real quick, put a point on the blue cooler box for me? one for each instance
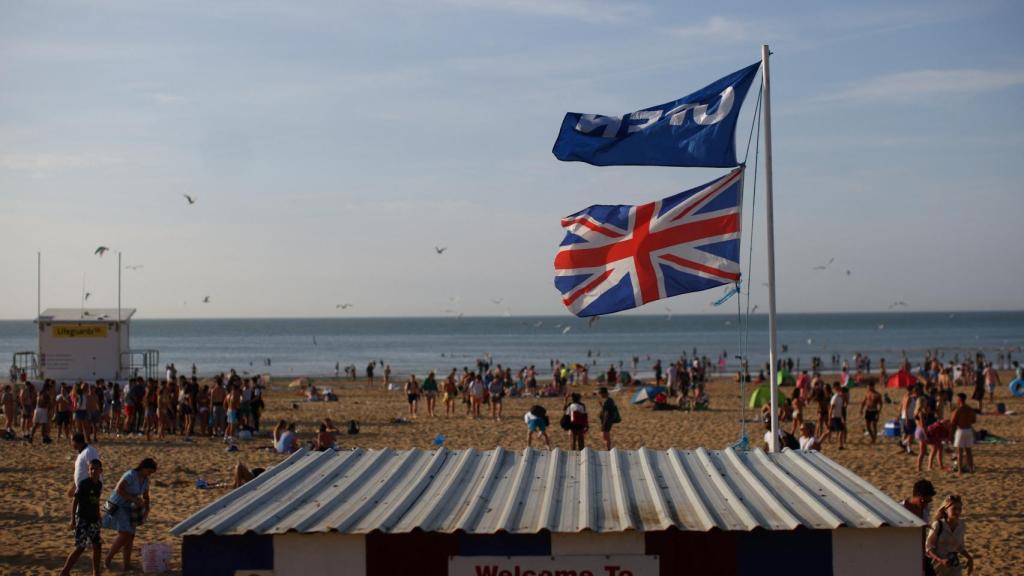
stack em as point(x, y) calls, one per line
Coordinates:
point(892, 429)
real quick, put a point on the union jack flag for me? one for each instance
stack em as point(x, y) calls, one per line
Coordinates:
point(619, 257)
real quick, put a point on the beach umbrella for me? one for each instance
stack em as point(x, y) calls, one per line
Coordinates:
point(901, 379)
point(646, 393)
point(785, 378)
point(763, 395)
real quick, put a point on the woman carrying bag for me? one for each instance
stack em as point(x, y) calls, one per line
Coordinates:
point(945, 543)
point(127, 508)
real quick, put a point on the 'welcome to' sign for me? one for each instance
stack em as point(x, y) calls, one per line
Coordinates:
point(615, 565)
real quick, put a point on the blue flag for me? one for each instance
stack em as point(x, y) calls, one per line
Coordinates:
point(696, 130)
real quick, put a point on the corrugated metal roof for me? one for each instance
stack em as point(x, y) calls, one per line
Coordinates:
point(85, 314)
point(484, 492)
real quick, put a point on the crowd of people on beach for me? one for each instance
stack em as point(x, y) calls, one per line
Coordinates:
point(176, 405)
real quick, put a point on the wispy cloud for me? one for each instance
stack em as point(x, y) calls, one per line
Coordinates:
point(918, 83)
point(46, 163)
point(584, 10)
point(716, 28)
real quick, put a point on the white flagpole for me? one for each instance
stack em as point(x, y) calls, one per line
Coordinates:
point(772, 337)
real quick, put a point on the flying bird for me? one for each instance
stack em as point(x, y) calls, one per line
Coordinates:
point(847, 272)
point(566, 329)
point(497, 301)
point(897, 304)
point(133, 267)
point(538, 323)
point(206, 299)
point(190, 199)
point(825, 265)
point(754, 309)
point(440, 249)
point(87, 294)
point(101, 250)
point(344, 306)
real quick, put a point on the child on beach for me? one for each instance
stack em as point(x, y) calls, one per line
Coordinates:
point(85, 519)
point(578, 427)
point(537, 423)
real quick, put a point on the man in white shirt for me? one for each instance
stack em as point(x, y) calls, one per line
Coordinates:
point(86, 454)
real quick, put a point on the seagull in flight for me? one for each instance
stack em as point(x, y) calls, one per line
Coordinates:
point(101, 250)
point(133, 267)
point(344, 306)
point(497, 301)
point(754, 309)
point(825, 265)
point(190, 199)
point(566, 329)
point(206, 299)
point(87, 294)
point(440, 249)
point(897, 304)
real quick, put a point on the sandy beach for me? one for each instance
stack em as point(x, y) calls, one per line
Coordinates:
point(34, 512)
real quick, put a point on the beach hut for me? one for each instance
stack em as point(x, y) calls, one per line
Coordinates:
point(89, 344)
point(504, 513)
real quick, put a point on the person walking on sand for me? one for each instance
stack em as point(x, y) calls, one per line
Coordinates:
point(609, 416)
point(429, 389)
point(451, 392)
point(85, 519)
point(475, 390)
point(578, 425)
point(8, 402)
point(962, 421)
point(991, 382)
point(127, 508)
point(920, 499)
point(412, 394)
point(41, 415)
point(86, 453)
point(907, 423)
point(495, 393)
point(871, 408)
point(537, 423)
point(945, 543)
point(836, 419)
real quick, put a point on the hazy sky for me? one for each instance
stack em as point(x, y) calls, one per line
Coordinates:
point(332, 145)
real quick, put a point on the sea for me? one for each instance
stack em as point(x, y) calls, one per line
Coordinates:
point(314, 347)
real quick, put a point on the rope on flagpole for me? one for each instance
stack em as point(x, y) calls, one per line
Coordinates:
point(743, 321)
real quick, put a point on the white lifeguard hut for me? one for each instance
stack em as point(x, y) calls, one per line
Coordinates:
point(89, 344)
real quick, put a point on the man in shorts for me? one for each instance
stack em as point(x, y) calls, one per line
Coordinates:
point(537, 423)
point(962, 421)
point(85, 519)
point(836, 417)
point(870, 408)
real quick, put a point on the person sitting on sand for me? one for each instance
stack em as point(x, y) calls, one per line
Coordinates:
point(324, 439)
point(287, 442)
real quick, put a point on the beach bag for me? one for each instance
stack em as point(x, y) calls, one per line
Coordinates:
point(155, 557)
point(565, 422)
